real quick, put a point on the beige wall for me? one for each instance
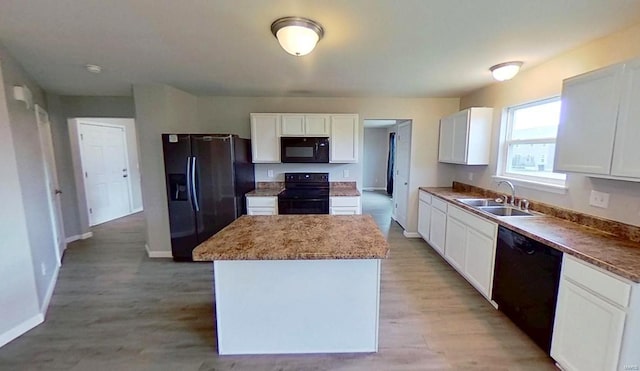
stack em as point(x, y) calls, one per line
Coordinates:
point(544, 81)
point(162, 109)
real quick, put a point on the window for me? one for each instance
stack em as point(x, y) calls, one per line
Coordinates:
point(530, 142)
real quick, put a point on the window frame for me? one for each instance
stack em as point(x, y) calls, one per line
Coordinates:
point(553, 184)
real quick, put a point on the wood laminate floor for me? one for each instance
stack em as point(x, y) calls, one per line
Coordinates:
point(115, 309)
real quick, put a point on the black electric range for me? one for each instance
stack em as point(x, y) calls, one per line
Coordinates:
point(305, 193)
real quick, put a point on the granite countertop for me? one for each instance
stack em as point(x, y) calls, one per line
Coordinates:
point(264, 192)
point(296, 237)
point(337, 189)
point(602, 249)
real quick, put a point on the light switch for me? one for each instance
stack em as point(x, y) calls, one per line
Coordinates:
point(270, 173)
point(345, 173)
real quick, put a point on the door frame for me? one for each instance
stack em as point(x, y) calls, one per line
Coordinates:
point(53, 195)
point(83, 121)
point(400, 124)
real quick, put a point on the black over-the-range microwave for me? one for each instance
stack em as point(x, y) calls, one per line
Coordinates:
point(304, 149)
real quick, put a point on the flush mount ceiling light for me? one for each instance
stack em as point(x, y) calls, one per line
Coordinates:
point(297, 36)
point(505, 71)
point(93, 68)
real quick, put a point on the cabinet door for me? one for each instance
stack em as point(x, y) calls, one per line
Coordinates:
point(587, 331)
point(261, 211)
point(437, 230)
point(445, 144)
point(455, 244)
point(479, 261)
point(626, 153)
point(424, 219)
point(317, 125)
point(460, 137)
point(343, 211)
point(344, 138)
point(293, 125)
point(265, 137)
point(588, 121)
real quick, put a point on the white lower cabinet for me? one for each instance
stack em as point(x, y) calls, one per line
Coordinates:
point(596, 326)
point(438, 225)
point(262, 205)
point(424, 214)
point(340, 205)
point(471, 247)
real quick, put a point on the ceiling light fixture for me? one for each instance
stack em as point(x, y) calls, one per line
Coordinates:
point(297, 36)
point(93, 68)
point(505, 71)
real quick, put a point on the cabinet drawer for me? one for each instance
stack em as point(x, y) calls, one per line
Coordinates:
point(344, 201)
point(439, 204)
point(596, 281)
point(480, 224)
point(424, 196)
point(262, 201)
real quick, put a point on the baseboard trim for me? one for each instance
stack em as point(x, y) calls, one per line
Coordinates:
point(157, 254)
point(374, 188)
point(411, 234)
point(49, 294)
point(77, 237)
point(20, 329)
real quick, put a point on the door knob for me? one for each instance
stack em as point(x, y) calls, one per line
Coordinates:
point(58, 191)
point(124, 176)
point(405, 183)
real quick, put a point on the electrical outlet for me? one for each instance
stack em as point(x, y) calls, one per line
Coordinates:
point(43, 269)
point(270, 173)
point(345, 173)
point(599, 199)
point(470, 176)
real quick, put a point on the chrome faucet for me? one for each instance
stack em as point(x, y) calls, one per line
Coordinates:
point(513, 192)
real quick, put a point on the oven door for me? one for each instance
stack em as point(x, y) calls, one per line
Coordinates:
point(304, 150)
point(303, 206)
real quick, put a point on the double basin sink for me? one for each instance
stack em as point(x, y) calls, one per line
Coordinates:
point(494, 207)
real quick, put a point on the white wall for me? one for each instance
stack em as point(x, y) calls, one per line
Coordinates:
point(165, 109)
point(28, 262)
point(376, 153)
point(544, 81)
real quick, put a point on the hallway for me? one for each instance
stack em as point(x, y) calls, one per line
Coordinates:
point(116, 309)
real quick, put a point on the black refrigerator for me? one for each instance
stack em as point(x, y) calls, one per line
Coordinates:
point(207, 176)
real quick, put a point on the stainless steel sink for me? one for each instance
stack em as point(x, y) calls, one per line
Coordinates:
point(480, 202)
point(504, 211)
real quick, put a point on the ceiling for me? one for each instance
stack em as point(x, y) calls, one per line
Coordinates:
point(402, 48)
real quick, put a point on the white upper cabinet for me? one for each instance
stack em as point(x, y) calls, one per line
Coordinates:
point(305, 125)
point(265, 137)
point(588, 121)
point(626, 152)
point(599, 131)
point(344, 138)
point(465, 137)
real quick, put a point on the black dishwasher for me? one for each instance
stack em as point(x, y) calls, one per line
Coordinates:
point(525, 284)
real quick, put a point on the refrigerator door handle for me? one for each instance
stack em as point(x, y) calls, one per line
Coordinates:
point(189, 196)
point(194, 187)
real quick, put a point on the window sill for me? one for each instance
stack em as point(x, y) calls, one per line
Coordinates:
point(539, 186)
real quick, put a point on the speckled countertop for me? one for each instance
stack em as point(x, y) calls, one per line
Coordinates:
point(605, 250)
point(296, 237)
point(264, 192)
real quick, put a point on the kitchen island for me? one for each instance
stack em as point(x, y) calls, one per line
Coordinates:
point(296, 283)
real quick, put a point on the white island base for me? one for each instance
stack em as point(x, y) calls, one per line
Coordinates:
point(297, 306)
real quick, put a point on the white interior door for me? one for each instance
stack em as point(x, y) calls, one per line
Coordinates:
point(51, 174)
point(104, 160)
point(401, 180)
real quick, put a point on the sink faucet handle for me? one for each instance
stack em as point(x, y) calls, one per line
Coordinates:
point(523, 204)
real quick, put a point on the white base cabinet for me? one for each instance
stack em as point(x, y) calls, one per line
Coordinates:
point(438, 225)
point(596, 324)
point(424, 214)
point(471, 247)
point(340, 205)
point(262, 205)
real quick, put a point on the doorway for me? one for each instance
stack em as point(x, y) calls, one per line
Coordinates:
point(107, 168)
point(402, 173)
point(51, 178)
